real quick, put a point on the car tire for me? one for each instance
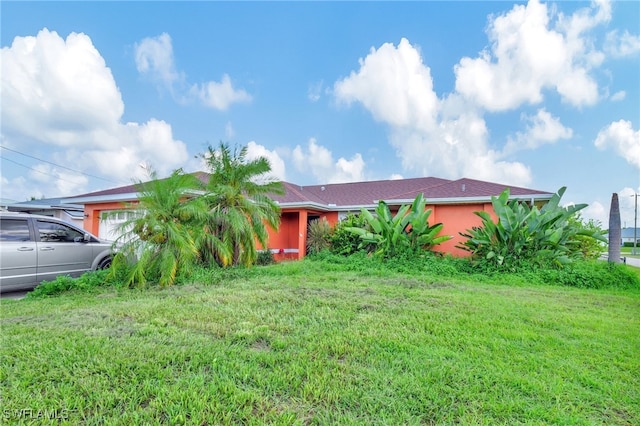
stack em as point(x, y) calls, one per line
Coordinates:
point(105, 263)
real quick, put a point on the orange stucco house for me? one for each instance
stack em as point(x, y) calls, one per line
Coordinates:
point(452, 201)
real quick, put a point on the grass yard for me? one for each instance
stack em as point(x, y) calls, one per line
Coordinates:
point(300, 343)
point(628, 251)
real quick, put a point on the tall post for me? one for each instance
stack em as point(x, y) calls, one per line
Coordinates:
point(614, 230)
point(635, 225)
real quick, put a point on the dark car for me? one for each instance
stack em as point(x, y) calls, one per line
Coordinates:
point(37, 248)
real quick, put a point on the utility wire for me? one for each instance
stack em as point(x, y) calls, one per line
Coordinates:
point(40, 171)
point(53, 164)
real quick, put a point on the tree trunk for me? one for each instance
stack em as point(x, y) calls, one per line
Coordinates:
point(614, 230)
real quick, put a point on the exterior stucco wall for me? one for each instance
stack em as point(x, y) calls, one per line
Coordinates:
point(457, 218)
point(289, 242)
point(285, 243)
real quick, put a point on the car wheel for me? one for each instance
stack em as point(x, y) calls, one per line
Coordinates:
point(105, 263)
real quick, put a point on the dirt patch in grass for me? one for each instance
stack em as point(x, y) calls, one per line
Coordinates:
point(261, 345)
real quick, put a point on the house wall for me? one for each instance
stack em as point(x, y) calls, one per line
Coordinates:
point(289, 243)
point(285, 244)
point(455, 219)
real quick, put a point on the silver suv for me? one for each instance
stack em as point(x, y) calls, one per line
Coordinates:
point(37, 248)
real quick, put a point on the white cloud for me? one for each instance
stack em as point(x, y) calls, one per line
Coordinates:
point(622, 45)
point(626, 199)
point(219, 95)
point(596, 211)
point(65, 181)
point(315, 91)
point(55, 89)
point(229, 132)
point(618, 96)
point(542, 128)
point(154, 57)
point(623, 139)
point(318, 160)
point(457, 148)
point(527, 56)
point(394, 85)
point(396, 176)
point(278, 169)
point(43, 181)
point(21, 189)
point(59, 95)
point(600, 210)
point(445, 138)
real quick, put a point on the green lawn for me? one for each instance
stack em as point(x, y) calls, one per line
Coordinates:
point(627, 251)
point(298, 345)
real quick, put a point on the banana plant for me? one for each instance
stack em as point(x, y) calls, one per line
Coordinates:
point(421, 235)
point(407, 230)
point(526, 234)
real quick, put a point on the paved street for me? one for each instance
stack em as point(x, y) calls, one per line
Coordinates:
point(633, 261)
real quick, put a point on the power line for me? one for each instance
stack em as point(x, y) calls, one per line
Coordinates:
point(40, 171)
point(53, 164)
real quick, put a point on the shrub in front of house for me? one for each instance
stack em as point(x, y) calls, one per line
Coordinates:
point(318, 236)
point(406, 231)
point(525, 235)
point(344, 242)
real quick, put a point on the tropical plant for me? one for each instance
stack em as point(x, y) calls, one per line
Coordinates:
point(591, 248)
point(318, 236)
point(345, 242)
point(157, 243)
point(526, 234)
point(239, 206)
point(406, 231)
point(615, 231)
point(265, 257)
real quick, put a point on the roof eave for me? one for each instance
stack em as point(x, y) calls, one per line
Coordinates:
point(98, 199)
point(114, 198)
point(470, 200)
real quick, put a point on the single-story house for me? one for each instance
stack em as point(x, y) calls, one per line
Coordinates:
point(627, 234)
point(453, 203)
point(53, 207)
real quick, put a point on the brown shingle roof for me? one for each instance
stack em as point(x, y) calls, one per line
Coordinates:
point(370, 192)
point(367, 193)
point(359, 193)
point(132, 189)
point(471, 188)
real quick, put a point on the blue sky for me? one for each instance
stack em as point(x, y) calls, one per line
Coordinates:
point(541, 95)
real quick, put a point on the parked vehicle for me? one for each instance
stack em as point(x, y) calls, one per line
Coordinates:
point(36, 248)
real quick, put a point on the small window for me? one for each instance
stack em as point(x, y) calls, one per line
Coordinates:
point(57, 232)
point(14, 230)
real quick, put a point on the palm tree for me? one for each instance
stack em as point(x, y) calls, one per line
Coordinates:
point(614, 230)
point(237, 196)
point(157, 242)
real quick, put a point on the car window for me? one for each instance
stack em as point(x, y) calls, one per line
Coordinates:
point(14, 230)
point(57, 232)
